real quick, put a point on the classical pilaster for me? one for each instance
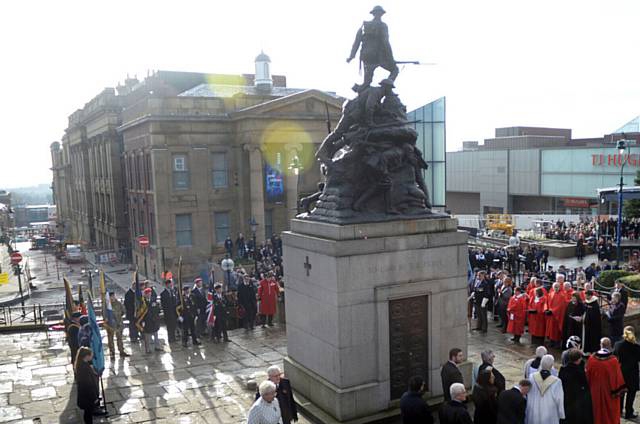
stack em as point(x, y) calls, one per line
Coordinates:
point(256, 184)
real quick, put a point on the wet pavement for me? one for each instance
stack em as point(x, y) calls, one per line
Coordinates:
point(206, 384)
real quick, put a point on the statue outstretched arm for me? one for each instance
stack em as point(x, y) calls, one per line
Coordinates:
point(356, 45)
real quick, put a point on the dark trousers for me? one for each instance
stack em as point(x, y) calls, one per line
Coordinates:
point(133, 330)
point(201, 324)
point(249, 321)
point(502, 313)
point(220, 329)
point(188, 329)
point(626, 400)
point(483, 324)
point(88, 416)
point(171, 328)
point(267, 319)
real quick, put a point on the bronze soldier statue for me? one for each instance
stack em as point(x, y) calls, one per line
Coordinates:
point(373, 40)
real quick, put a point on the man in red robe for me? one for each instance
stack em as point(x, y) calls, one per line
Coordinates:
point(534, 284)
point(268, 291)
point(606, 384)
point(537, 320)
point(556, 306)
point(568, 292)
point(516, 314)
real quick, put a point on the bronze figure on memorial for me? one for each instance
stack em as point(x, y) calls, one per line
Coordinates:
point(373, 170)
point(372, 39)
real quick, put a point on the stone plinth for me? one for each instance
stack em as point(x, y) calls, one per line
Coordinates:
point(340, 281)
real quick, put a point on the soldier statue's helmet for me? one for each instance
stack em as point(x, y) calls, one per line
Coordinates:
point(387, 82)
point(377, 10)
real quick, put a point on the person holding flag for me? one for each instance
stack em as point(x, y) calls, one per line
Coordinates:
point(131, 300)
point(219, 305)
point(187, 317)
point(148, 321)
point(96, 348)
point(112, 312)
point(71, 321)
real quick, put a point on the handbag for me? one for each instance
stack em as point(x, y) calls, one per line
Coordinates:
point(241, 312)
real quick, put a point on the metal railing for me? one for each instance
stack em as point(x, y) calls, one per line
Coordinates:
point(37, 314)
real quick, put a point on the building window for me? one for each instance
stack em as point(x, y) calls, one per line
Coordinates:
point(268, 222)
point(180, 172)
point(223, 228)
point(220, 173)
point(183, 230)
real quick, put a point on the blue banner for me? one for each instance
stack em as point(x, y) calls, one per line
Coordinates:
point(96, 338)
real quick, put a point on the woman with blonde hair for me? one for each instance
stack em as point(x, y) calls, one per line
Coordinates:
point(628, 353)
point(87, 380)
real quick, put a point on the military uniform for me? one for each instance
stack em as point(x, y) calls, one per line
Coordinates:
point(118, 312)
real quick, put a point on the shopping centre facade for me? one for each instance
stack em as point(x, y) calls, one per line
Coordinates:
point(526, 170)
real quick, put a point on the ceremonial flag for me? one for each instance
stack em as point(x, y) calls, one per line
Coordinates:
point(68, 299)
point(108, 318)
point(96, 339)
point(141, 306)
point(180, 307)
point(211, 279)
point(211, 318)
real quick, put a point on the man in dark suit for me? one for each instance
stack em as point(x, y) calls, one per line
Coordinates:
point(413, 408)
point(284, 394)
point(130, 312)
point(169, 301)
point(615, 317)
point(450, 373)
point(199, 296)
point(455, 411)
point(481, 298)
point(624, 293)
point(512, 404)
point(487, 361)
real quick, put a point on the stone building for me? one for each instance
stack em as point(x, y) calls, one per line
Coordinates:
point(188, 159)
point(206, 153)
point(87, 176)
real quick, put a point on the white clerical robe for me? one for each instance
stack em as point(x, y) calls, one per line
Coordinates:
point(545, 401)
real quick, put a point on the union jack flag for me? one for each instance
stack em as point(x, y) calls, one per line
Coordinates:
point(211, 318)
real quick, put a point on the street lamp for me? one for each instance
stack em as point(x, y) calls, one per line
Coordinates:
point(623, 147)
point(296, 167)
point(254, 227)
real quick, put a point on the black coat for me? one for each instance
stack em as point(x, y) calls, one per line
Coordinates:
point(577, 397)
point(247, 298)
point(629, 355)
point(288, 406)
point(414, 409)
point(169, 301)
point(500, 381)
point(512, 407)
point(616, 319)
point(571, 327)
point(454, 412)
point(151, 319)
point(130, 304)
point(220, 308)
point(450, 374)
point(592, 327)
point(87, 381)
point(486, 403)
point(199, 297)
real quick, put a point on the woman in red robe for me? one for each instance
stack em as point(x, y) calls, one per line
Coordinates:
point(556, 306)
point(606, 384)
point(268, 291)
point(517, 313)
point(537, 321)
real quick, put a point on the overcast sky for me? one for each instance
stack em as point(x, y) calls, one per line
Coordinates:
point(570, 64)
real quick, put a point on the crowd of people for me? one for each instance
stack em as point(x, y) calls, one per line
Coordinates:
point(190, 312)
point(587, 389)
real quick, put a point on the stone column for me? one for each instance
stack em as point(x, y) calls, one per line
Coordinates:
point(257, 188)
point(291, 182)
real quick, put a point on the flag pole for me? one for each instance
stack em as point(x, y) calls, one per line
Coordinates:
point(104, 398)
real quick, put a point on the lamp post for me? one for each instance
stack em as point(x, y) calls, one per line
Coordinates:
point(254, 227)
point(623, 147)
